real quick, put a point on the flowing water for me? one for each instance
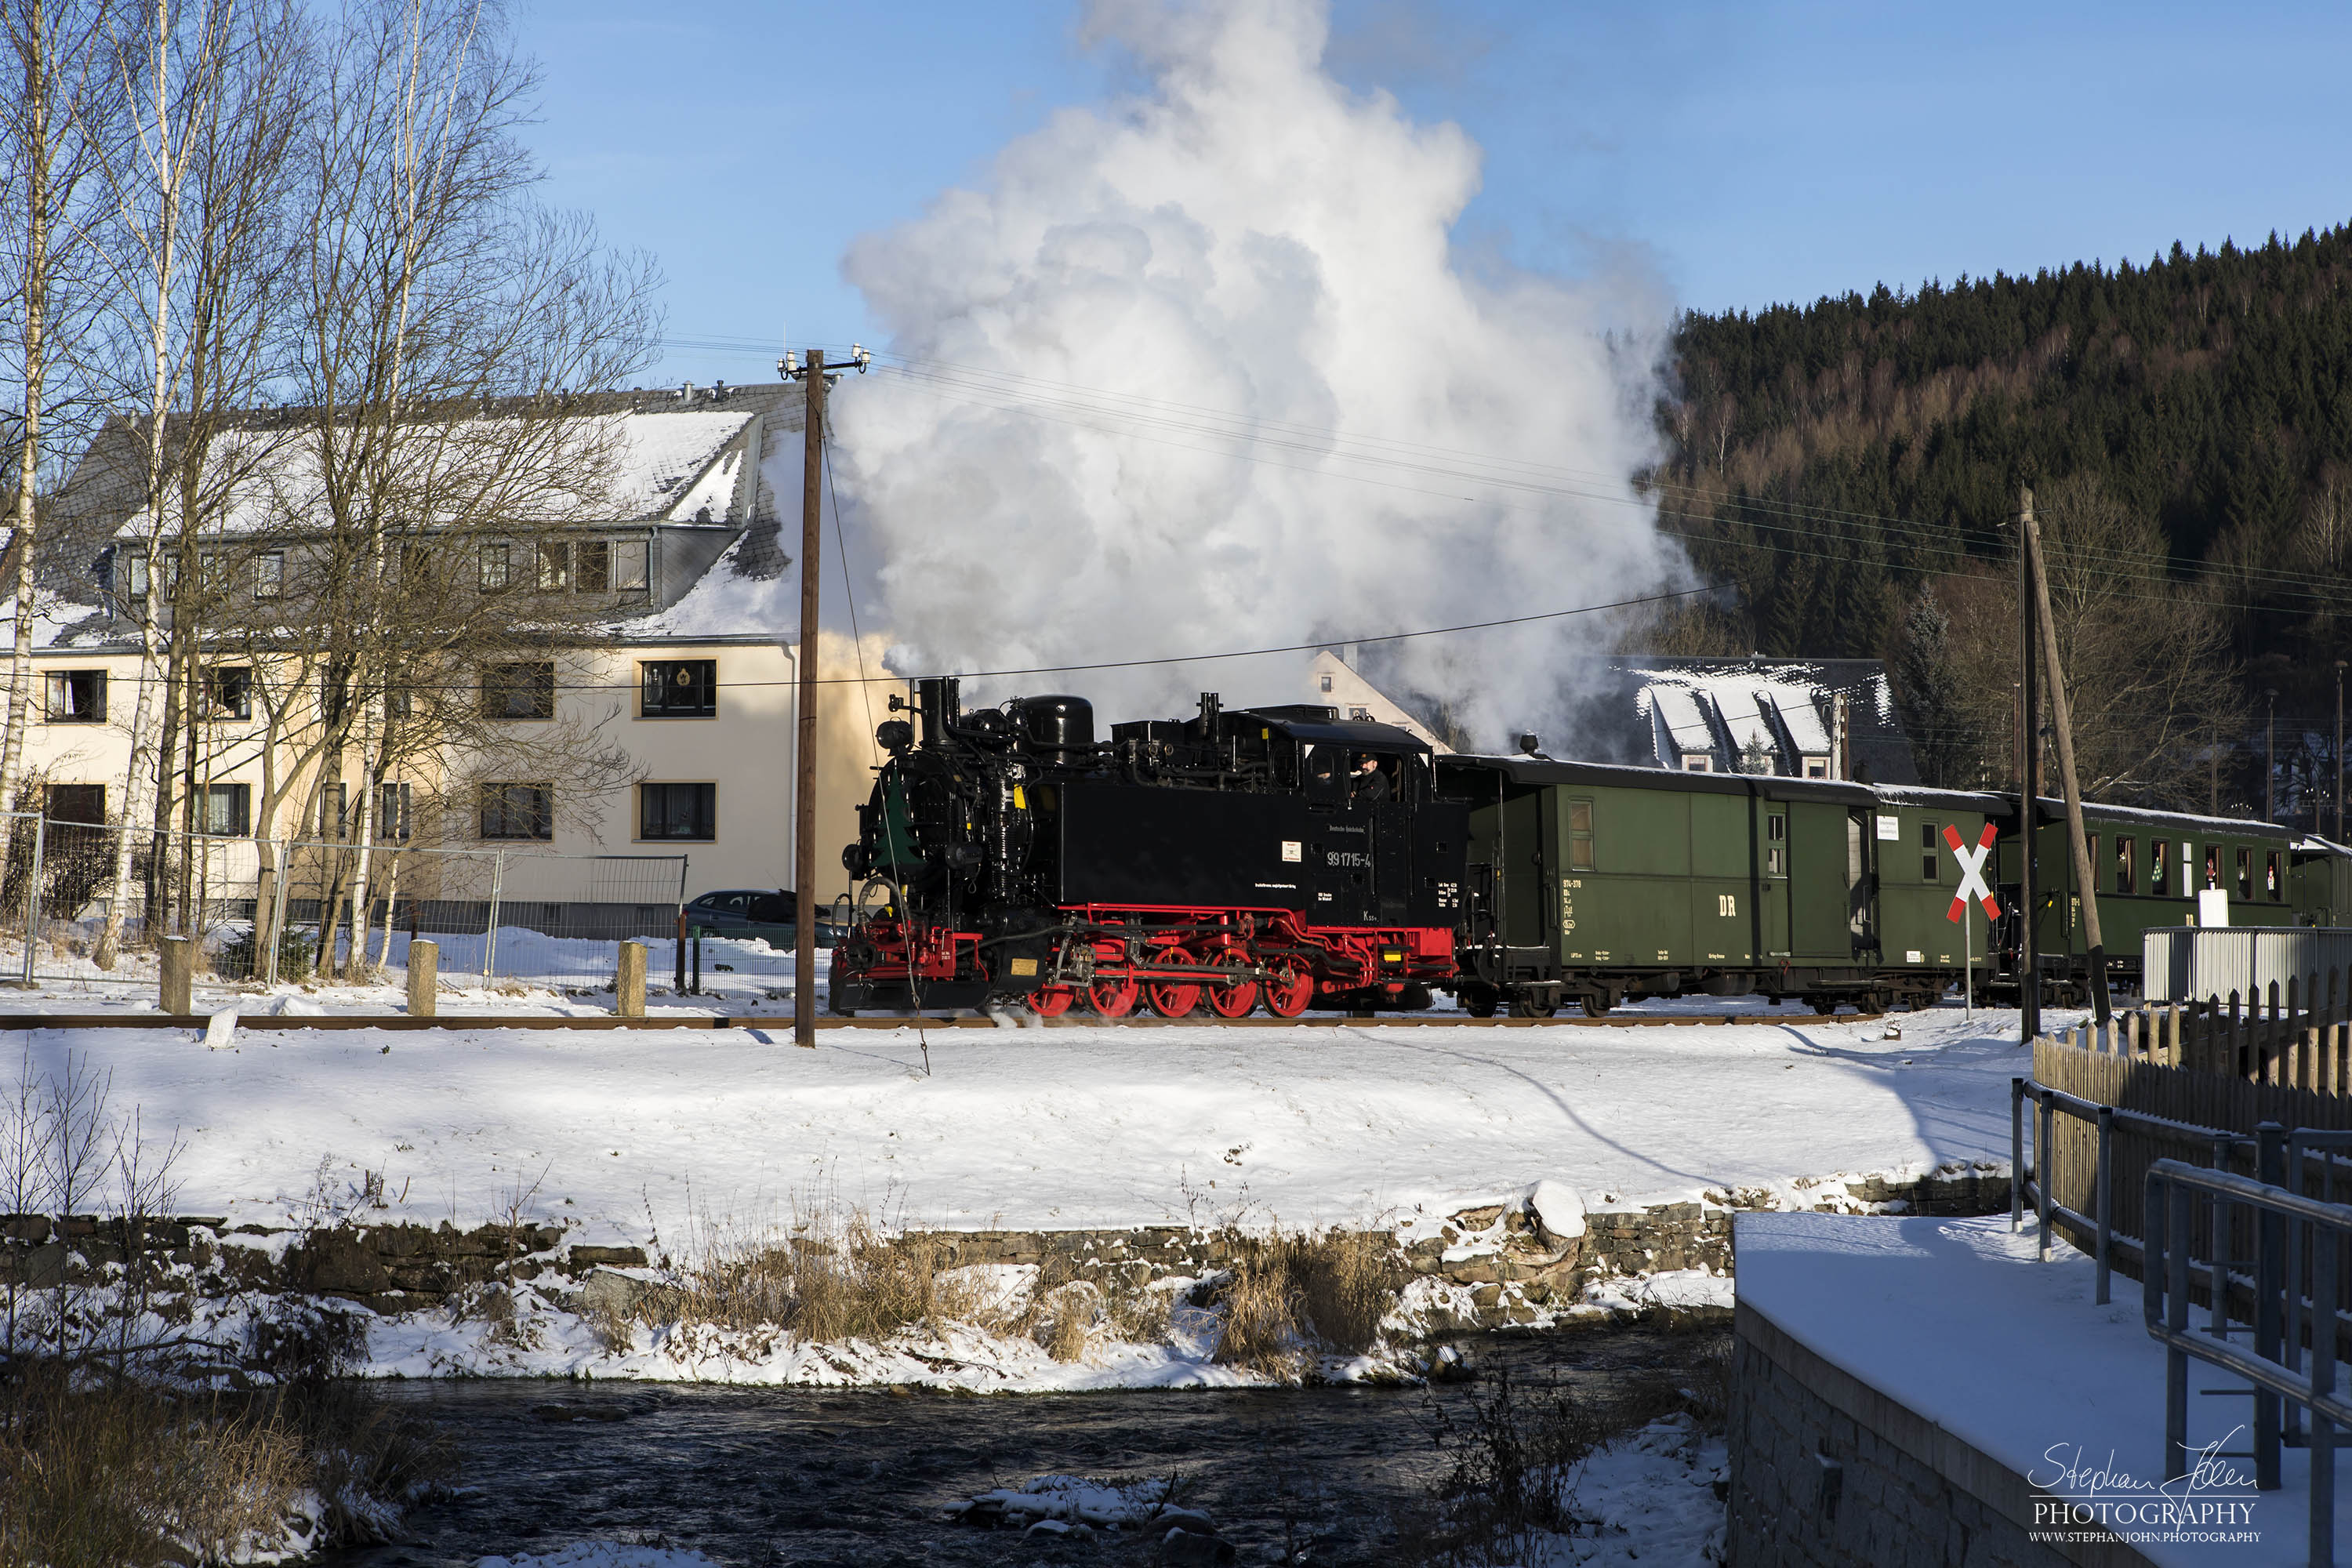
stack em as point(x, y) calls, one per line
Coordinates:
point(816, 1477)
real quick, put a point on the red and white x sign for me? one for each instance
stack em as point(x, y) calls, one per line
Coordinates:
point(1972, 881)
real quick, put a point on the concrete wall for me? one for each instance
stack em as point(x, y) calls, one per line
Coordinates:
point(1827, 1472)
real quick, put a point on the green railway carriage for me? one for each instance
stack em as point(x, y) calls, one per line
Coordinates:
point(1589, 883)
point(2146, 869)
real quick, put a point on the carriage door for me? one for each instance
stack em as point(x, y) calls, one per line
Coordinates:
point(1862, 880)
point(1772, 869)
point(1393, 860)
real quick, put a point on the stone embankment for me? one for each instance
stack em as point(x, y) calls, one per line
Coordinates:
point(1514, 1261)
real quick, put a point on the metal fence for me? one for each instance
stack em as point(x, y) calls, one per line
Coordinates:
point(2190, 964)
point(272, 911)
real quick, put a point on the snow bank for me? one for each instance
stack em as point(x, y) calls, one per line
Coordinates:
point(613, 1132)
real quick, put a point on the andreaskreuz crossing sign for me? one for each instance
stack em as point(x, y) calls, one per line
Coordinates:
point(1972, 880)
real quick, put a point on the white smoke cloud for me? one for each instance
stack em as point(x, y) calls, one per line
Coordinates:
point(1201, 369)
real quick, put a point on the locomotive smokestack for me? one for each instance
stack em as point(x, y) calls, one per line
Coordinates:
point(938, 701)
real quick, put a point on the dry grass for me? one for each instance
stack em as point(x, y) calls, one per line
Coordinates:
point(859, 1285)
point(1288, 1295)
point(110, 1476)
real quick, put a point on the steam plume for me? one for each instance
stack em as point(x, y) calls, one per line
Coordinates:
point(1201, 369)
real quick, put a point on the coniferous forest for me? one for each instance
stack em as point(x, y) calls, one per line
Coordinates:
point(1849, 471)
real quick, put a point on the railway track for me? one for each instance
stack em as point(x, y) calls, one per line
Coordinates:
point(784, 1022)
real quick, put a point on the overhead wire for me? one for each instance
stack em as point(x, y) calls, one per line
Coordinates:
point(1010, 390)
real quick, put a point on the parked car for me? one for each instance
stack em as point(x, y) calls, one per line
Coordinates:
point(765, 913)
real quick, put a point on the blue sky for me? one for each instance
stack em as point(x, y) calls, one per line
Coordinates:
point(1739, 155)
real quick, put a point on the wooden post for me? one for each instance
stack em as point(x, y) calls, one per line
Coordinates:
point(804, 749)
point(178, 971)
point(423, 977)
point(2086, 881)
point(629, 985)
point(2172, 1034)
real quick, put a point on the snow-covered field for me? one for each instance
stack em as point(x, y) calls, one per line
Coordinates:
point(614, 1133)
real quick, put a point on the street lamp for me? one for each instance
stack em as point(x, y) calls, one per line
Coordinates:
point(2270, 756)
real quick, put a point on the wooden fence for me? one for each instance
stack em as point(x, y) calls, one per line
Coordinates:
point(2298, 1037)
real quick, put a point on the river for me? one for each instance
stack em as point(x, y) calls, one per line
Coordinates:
point(810, 1476)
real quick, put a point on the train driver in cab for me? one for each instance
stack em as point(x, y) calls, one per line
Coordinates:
point(1370, 783)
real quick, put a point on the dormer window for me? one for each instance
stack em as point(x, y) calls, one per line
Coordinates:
point(629, 562)
point(554, 565)
point(269, 574)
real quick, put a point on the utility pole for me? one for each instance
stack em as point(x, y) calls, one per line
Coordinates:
point(2029, 784)
point(2270, 753)
point(804, 745)
point(2339, 750)
point(814, 377)
point(2061, 715)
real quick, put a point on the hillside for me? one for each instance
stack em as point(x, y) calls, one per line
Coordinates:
point(1847, 467)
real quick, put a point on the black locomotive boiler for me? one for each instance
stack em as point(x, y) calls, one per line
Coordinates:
point(1272, 858)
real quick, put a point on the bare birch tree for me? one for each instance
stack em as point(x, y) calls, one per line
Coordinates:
point(50, 129)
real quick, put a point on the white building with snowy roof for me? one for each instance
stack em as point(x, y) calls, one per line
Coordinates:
point(1822, 719)
point(671, 564)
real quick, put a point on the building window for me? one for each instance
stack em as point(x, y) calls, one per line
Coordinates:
point(74, 802)
point(1930, 866)
point(596, 573)
point(134, 574)
point(493, 559)
point(629, 558)
point(1776, 846)
point(2126, 871)
point(392, 823)
point(554, 565)
point(1327, 683)
point(1817, 767)
point(677, 811)
point(228, 810)
point(334, 797)
point(269, 574)
point(76, 696)
point(214, 573)
point(518, 811)
point(679, 688)
point(1579, 835)
point(519, 692)
point(228, 692)
point(1699, 763)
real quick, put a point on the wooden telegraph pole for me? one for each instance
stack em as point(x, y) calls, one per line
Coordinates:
point(813, 375)
point(805, 744)
point(2029, 792)
point(2061, 715)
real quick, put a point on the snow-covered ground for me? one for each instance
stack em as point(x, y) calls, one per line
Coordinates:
point(1954, 1319)
point(614, 1133)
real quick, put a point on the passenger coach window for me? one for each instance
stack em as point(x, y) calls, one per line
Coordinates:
point(2124, 882)
point(1928, 865)
point(2160, 865)
point(2212, 864)
point(1776, 846)
point(2271, 888)
point(2245, 873)
point(1579, 835)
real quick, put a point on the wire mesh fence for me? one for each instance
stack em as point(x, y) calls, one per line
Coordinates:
point(268, 911)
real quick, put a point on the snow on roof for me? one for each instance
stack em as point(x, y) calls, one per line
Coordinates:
point(1743, 720)
point(726, 601)
point(1685, 725)
point(662, 470)
point(1795, 705)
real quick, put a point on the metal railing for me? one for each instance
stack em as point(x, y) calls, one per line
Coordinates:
point(2279, 1311)
point(2111, 1120)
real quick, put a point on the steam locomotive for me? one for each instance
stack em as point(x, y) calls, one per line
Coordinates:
point(1275, 856)
point(1284, 858)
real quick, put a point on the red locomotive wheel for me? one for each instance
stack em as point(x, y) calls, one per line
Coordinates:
point(1172, 998)
point(1112, 996)
point(1051, 1001)
point(1292, 987)
point(1232, 1001)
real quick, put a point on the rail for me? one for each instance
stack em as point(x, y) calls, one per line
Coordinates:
point(2278, 1316)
